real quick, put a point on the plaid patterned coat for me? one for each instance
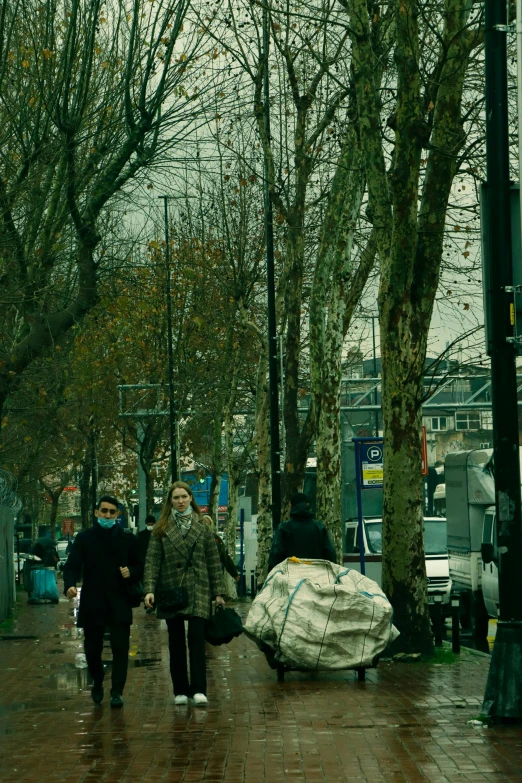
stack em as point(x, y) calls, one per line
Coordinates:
point(166, 559)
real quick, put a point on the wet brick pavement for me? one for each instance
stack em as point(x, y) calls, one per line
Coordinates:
point(407, 722)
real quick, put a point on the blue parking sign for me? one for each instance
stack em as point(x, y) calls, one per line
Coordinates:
point(369, 458)
point(371, 464)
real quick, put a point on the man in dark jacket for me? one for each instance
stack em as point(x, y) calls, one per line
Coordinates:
point(145, 534)
point(110, 559)
point(301, 536)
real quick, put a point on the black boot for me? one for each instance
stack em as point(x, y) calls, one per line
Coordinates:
point(97, 693)
point(116, 700)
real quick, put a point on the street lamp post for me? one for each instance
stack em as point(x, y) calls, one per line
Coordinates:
point(503, 696)
point(172, 410)
point(275, 462)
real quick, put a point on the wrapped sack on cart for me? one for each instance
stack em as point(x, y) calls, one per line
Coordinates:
point(314, 614)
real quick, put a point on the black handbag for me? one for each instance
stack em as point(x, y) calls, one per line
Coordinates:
point(223, 626)
point(176, 598)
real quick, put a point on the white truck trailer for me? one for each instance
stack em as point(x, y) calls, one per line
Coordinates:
point(470, 514)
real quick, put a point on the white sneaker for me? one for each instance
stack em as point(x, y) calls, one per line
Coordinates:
point(180, 700)
point(200, 700)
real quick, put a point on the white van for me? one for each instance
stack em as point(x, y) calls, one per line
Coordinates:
point(435, 549)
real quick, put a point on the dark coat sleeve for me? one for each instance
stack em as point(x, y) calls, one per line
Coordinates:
point(133, 556)
point(72, 570)
point(329, 552)
point(215, 573)
point(152, 564)
point(226, 561)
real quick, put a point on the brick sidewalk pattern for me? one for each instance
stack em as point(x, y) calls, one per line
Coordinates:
point(407, 722)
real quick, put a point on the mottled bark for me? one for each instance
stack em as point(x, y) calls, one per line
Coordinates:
point(410, 247)
point(332, 278)
point(345, 296)
point(55, 495)
point(293, 209)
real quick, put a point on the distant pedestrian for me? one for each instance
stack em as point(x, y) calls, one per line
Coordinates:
point(110, 560)
point(145, 534)
point(227, 563)
point(182, 552)
point(301, 536)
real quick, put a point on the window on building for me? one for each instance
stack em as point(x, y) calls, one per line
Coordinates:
point(467, 420)
point(439, 423)
point(486, 420)
point(485, 445)
point(462, 385)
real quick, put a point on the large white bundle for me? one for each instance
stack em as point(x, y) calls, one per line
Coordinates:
point(317, 615)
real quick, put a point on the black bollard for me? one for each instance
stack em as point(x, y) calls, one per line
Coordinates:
point(455, 623)
point(437, 620)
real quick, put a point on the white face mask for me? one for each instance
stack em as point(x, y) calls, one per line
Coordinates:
point(149, 527)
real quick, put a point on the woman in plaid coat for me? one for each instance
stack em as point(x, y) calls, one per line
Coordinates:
point(182, 547)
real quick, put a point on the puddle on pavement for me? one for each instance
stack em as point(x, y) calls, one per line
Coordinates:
point(73, 676)
point(5, 710)
point(139, 662)
point(16, 638)
point(69, 680)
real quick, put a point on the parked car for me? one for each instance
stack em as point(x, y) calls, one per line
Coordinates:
point(435, 550)
point(62, 547)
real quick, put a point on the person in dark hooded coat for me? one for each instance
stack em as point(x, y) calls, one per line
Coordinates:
point(301, 536)
point(45, 549)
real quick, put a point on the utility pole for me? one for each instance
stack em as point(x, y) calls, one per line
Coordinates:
point(275, 453)
point(172, 410)
point(503, 696)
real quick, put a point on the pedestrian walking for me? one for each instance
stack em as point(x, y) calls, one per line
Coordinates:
point(110, 561)
point(144, 535)
point(301, 536)
point(182, 558)
point(227, 563)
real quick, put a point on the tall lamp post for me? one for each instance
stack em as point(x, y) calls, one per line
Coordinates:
point(275, 452)
point(503, 696)
point(172, 410)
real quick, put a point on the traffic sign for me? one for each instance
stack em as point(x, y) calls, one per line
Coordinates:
point(67, 526)
point(371, 464)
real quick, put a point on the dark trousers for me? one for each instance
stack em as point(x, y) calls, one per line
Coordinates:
point(178, 656)
point(93, 646)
